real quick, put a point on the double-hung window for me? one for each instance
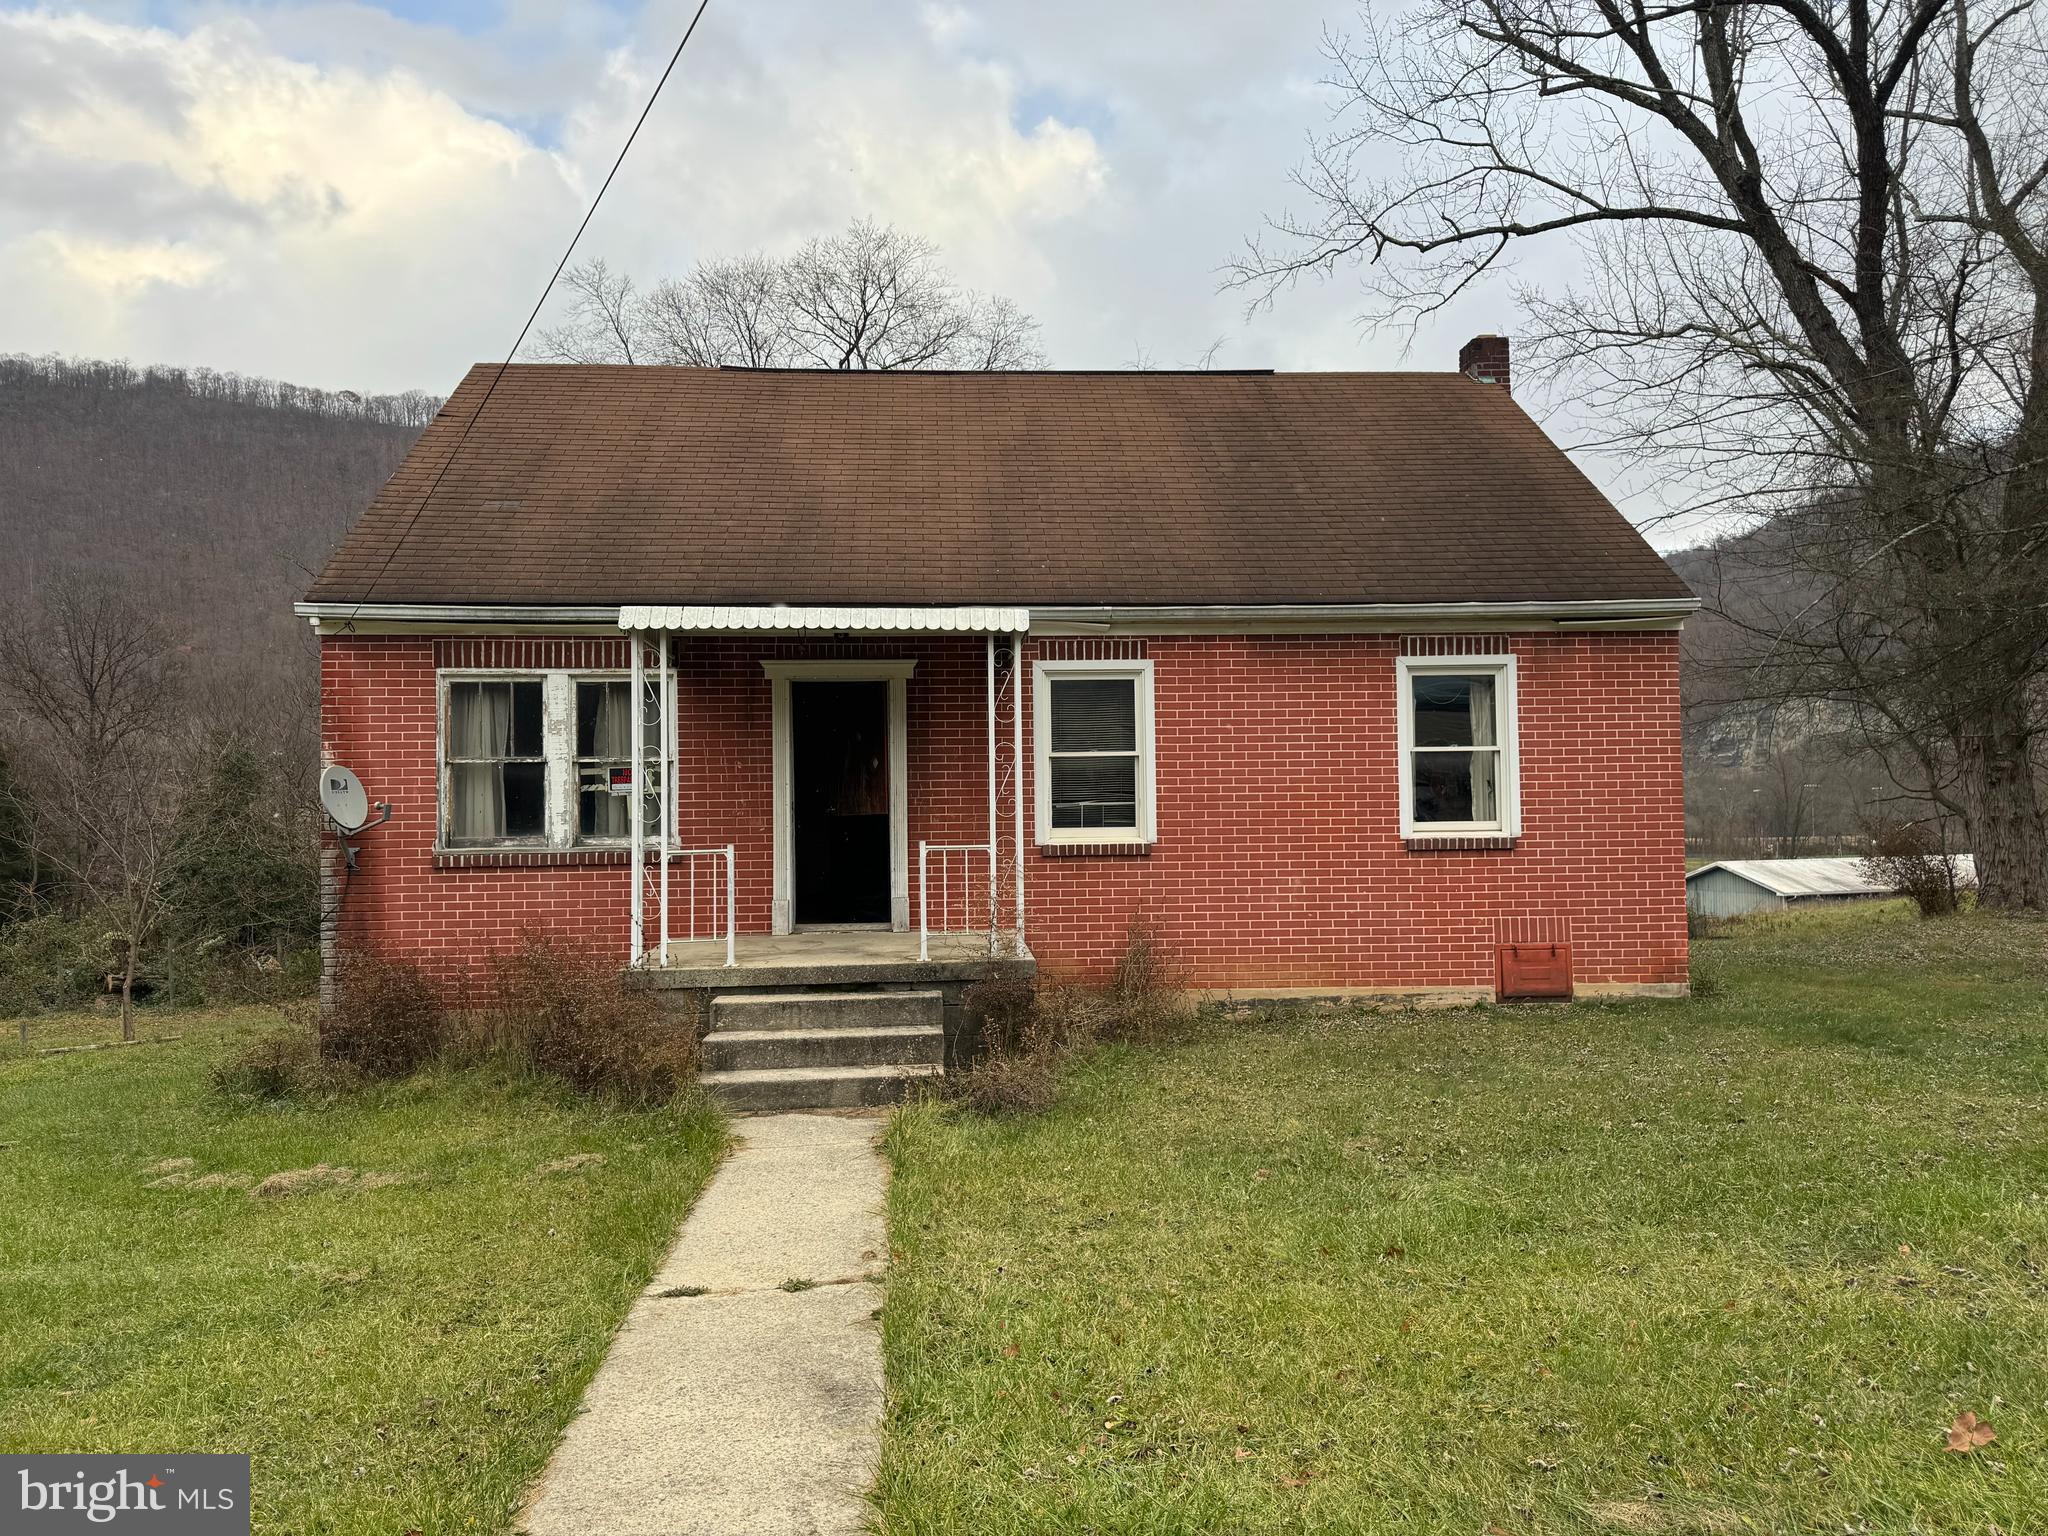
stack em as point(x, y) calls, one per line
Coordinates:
point(1093, 727)
point(497, 762)
point(543, 760)
point(1458, 761)
point(604, 759)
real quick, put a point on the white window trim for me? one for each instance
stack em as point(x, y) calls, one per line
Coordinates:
point(1042, 675)
point(558, 751)
point(1502, 668)
point(782, 775)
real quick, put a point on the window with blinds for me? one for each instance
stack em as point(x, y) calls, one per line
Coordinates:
point(1094, 731)
point(1457, 746)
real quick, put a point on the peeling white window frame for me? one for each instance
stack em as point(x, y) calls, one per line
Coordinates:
point(1043, 675)
point(1501, 668)
point(558, 751)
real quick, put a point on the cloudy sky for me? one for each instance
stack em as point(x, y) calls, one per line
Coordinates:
point(369, 196)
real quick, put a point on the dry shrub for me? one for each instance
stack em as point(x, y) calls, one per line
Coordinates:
point(387, 1019)
point(1907, 859)
point(283, 1063)
point(1016, 1070)
point(565, 1011)
point(1027, 1030)
point(1006, 1085)
point(1143, 1003)
point(1012, 1020)
point(1146, 1002)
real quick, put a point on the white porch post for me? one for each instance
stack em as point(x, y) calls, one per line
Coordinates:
point(1020, 676)
point(665, 713)
point(992, 866)
point(636, 837)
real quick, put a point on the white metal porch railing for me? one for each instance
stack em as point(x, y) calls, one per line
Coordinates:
point(654, 773)
point(716, 898)
point(968, 906)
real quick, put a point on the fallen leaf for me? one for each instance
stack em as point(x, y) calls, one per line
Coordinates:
point(1967, 1433)
point(1243, 1454)
point(1009, 1351)
point(1394, 1251)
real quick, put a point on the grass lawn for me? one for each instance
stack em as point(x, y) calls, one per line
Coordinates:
point(398, 1353)
point(1732, 1264)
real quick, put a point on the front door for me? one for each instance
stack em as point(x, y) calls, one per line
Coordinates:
point(839, 788)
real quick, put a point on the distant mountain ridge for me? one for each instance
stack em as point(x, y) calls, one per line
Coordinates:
point(217, 495)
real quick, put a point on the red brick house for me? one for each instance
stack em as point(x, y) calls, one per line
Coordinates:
point(1348, 683)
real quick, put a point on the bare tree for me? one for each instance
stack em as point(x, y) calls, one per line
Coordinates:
point(1815, 281)
point(92, 689)
point(723, 312)
point(603, 317)
point(869, 298)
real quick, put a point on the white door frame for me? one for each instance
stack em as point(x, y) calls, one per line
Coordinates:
point(897, 675)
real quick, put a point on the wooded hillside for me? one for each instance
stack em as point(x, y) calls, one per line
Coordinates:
point(214, 495)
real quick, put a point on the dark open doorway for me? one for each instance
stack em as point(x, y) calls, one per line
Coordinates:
point(839, 787)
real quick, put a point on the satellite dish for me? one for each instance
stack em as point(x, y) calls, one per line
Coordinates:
point(342, 793)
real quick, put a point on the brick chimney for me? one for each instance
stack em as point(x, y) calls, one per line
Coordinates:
point(1485, 358)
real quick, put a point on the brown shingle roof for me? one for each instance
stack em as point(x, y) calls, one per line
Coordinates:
point(584, 484)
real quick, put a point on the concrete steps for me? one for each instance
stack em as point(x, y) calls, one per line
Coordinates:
point(744, 1050)
point(817, 1087)
point(822, 1050)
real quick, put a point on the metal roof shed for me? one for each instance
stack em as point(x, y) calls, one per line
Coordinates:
point(1737, 887)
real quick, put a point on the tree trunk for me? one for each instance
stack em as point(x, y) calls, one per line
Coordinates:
point(2008, 834)
point(128, 997)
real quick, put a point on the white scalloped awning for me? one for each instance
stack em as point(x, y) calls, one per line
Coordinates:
point(788, 616)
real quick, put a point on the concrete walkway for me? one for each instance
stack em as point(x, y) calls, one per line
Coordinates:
point(746, 1408)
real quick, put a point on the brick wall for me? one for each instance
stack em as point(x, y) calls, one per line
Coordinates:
point(1279, 860)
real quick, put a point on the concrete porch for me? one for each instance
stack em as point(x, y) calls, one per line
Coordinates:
point(828, 1017)
point(832, 949)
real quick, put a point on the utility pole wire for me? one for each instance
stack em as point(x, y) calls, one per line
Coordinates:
point(589, 214)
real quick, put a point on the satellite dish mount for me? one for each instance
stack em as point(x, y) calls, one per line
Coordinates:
point(348, 806)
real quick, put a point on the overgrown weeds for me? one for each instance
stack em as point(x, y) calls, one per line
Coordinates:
point(284, 1063)
point(563, 1011)
point(387, 1018)
point(1027, 1030)
point(548, 1008)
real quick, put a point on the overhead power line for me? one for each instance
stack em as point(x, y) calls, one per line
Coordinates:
point(538, 304)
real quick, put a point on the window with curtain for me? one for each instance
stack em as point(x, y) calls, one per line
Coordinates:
point(497, 762)
point(544, 760)
point(1456, 733)
point(604, 761)
point(1094, 731)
